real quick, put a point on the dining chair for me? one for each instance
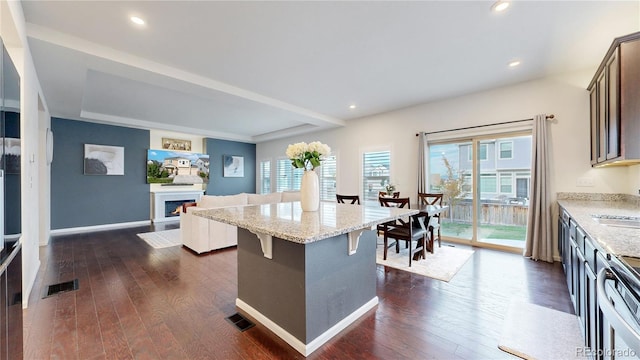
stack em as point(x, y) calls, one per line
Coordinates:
point(391, 202)
point(354, 199)
point(412, 229)
point(384, 194)
point(434, 222)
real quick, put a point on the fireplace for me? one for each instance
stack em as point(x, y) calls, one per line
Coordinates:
point(165, 203)
point(173, 207)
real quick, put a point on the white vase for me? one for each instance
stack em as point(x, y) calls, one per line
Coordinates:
point(310, 191)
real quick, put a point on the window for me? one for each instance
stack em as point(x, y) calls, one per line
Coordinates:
point(287, 177)
point(522, 184)
point(466, 184)
point(506, 150)
point(483, 152)
point(327, 175)
point(506, 183)
point(265, 177)
point(376, 167)
point(488, 183)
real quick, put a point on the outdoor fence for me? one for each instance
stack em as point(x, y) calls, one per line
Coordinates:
point(492, 214)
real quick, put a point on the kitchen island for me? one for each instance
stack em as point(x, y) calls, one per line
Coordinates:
point(306, 275)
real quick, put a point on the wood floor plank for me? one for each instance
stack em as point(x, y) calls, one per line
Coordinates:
point(138, 302)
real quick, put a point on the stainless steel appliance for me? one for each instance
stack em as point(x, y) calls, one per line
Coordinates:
point(618, 292)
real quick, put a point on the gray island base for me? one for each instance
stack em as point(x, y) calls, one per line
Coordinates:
point(306, 276)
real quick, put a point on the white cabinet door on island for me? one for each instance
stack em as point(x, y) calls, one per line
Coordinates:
point(306, 275)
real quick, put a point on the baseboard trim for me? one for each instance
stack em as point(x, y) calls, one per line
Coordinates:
point(27, 290)
point(302, 348)
point(84, 229)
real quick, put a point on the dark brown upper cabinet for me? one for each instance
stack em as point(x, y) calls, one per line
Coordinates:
point(614, 96)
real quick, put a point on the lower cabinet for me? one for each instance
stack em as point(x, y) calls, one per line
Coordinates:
point(592, 310)
point(581, 261)
point(11, 306)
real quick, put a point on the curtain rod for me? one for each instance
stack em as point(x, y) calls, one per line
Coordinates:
point(549, 117)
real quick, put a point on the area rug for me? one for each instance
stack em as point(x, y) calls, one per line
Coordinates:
point(443, 264)
point(162, 239)
point(534, 332)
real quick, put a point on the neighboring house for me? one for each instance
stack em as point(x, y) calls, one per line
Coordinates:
point(505, 168)
point(179, 165)
point(202, 164)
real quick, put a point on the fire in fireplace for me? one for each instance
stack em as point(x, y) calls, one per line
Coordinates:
point(173, 208)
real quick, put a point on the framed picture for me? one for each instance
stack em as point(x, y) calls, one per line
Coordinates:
point(177, 167)
point(103, 160)
point(233, 166)
point(11, 159)
point(176, 144)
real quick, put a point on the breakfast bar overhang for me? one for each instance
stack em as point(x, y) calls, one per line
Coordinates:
point(306, 275)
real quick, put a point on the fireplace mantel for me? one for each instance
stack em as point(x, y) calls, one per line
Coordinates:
point(159, 198)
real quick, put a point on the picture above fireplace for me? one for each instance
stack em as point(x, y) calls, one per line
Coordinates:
point(177, 167)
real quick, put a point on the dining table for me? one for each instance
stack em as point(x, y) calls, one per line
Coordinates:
point(428, 211)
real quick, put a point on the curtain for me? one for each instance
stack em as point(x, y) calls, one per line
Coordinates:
point(539, 242)
point(422, 167)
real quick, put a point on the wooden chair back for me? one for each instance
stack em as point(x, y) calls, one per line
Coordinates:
point(434, 223)
point(395, 202)
point(395, 194)
point(348, 199)
point(430, 198)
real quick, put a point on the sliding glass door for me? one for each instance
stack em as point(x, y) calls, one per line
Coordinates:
point(485, 182)
point(504, 190)
point(450, 173)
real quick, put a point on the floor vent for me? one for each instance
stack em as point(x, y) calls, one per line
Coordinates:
point(240, 322)
point(61, 287)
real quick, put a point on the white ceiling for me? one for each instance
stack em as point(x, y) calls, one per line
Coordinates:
point(255, 71)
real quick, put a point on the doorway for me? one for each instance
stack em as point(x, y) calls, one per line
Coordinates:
point(485, 182)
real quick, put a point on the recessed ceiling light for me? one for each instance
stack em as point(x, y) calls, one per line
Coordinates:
point(500, 5)
point(352, 106)
point(514, 63)
point(136, 20)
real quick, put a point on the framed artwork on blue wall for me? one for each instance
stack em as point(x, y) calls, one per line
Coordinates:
point(103, 160)
point(233, 166)
point(10, 161)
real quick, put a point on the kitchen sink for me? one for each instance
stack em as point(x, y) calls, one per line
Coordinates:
point(618, 221)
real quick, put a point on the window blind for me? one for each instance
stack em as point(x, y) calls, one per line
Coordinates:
point(287, 177)
point(376, 172)
point(265, 177)
point(327, 176)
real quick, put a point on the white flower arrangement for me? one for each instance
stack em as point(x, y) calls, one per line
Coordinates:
point(307, 156)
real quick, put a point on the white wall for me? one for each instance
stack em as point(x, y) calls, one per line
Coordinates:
point(14, 36)
point(564, 97)
point(634, 180)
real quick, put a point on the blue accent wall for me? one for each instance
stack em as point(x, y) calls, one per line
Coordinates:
point(220, 185)
point(79, 200)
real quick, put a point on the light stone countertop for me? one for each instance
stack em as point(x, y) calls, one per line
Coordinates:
point(614, 240)
point(287, 220)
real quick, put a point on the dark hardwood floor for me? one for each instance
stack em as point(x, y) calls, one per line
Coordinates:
point(134, 301)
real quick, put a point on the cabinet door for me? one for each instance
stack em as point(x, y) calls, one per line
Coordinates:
point(602, 116)
point(591, 306)
point(4, 329)
point(581, 296)
point(14, 307)
point(576, 266)
point(613, 108)
point(593, 103)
